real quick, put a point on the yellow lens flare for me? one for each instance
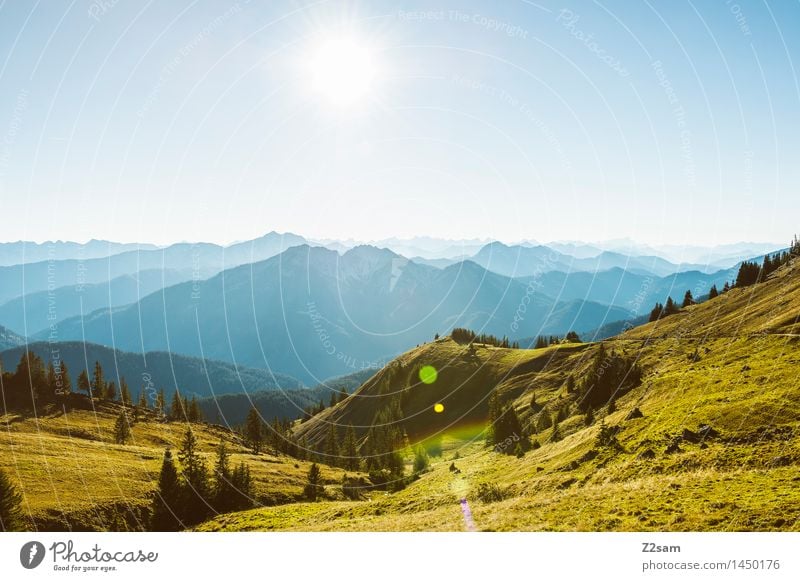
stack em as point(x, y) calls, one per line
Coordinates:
point(438, 408)
point(428, 374)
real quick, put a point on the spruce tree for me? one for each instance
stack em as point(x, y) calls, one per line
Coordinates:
point(194, 413)
point(713, 293)
point(161, 402)
point(110, 392)
point(656, 313)
point(10, 501)
point(588, 420)
point(223, 492)
point(125, 392)
point(142, 400)
point(421, 460)
point(194, 476)
point(688, 299)
point(98, 383)
point(166, 504)
point(670, 307)
point(253, 430)
point(122, 428)
point(350, 449)
point(242, 485)
point(83, 382)
point(65, 388)
point(176, 409)
point(313, 488)
point(332, 447)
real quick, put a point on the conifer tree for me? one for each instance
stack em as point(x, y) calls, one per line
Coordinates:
point(656, 313)
point(83, 382)
point(713, 292)
point(589, 418)
point(670, 307)
point(223, 492)
point(242, 485)
point(350, 449)
point(98, 383)
point(161, 402)
point(421, 460)
point(726, 287)
point(52, 382)
point(313, 487)
point(122, 428)
point(176, 409)
point(142, 400)
point(110, 392)
point(332, 447)
point(10, 501)
point(66, 383)
point(253, 430)
point(166, 504)
point(194, 414)
point(688, 299)
point(194, 476)
point(124, 392)
point(302, 449)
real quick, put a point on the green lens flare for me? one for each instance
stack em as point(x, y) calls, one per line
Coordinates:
point(428, 374)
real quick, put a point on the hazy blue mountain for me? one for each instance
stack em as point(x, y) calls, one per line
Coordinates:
point(623, 288)
point(520, 261)
point(189, 261)
point(23, 252)
point(37, 311)
point(9, 339)
point(155, 370)
point(312, 313)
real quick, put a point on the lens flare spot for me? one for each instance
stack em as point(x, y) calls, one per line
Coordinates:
point(428, 374)
point(438, 408)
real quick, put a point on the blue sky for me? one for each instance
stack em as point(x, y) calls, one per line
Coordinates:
point(666, 122)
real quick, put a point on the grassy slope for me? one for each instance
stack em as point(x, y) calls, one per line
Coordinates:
point(732, 363)
point(73, 475)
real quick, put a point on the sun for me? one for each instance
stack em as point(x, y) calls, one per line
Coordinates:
point(342, 71)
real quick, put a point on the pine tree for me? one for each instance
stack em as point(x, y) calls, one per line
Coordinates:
point(65, 387)
point(242, 485)
point(421, 460)
point(177, 411)
point(83, 382)
point(713, 293)
point(656, 313)
point(122, 428)
point(223, 493)
point(688, 299)
point(124, 392)
point(166, 504)
point(98, 383)
point(110, 392)
point(313, 487)
point(142, 400)
point(541, 342)
point(161, 402)
point(194, 475)
point(726, 287)
point(670, 307)
point(589, 418)
point(350, 449)
point(194, 414)
point(302, 449)
point(253, 430)
point(332, 447)
point(10, 501)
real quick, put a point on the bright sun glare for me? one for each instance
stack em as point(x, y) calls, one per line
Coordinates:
point(342, 71)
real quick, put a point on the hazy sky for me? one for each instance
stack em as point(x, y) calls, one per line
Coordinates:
point(161, 121)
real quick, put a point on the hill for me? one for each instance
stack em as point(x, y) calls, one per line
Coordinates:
point(695, 427)
point(36, 312)
point(312, 314)
point(155, 370)
point(73, 476)
point(9, 339)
